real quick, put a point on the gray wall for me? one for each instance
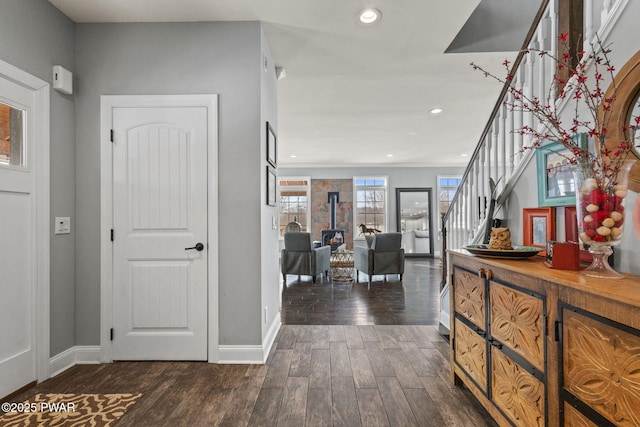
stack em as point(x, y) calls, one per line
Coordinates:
point(35, 36)
point(270, 268)
point(178, 58)
point(399, 177)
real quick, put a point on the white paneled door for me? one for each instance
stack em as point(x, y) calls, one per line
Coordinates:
point(17, 238)
point(160, 233)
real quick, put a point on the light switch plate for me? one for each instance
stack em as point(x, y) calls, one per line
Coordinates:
point(62, 225)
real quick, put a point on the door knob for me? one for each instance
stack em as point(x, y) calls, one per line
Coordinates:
point(198, 247)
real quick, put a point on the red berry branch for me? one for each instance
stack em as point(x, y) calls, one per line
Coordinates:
point(591, 110)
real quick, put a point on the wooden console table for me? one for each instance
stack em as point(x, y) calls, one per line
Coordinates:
point(541, 347)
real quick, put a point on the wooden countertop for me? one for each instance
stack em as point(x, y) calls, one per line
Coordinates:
point(626, 290)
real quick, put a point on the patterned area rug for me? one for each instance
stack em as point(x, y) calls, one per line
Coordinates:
point(68, 410)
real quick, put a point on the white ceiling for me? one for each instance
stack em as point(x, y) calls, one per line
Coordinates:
point(355, 94)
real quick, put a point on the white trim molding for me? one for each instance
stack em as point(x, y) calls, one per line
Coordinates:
point(78, 355)
point(250, 354)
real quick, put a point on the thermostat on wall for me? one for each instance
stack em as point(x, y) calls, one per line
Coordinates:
point(62, 80)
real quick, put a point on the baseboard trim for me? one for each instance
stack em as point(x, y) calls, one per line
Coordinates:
point(77, 355)
point(250, 354)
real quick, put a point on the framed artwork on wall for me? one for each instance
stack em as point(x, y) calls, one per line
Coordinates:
point(538, 227)
point(272, 148)
point(272, 182)
point(556, 184)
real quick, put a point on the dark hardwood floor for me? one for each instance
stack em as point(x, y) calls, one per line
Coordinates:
point(414, 301)
point(331, 375)
point(344, 356)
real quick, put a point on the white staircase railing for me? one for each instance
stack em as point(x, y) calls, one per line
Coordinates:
point(500, 155)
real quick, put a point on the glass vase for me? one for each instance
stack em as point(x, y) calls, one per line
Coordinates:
point(601, 214)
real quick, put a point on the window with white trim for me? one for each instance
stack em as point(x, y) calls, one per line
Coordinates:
point(294, 202)
point(447, 187)
point(370, 194)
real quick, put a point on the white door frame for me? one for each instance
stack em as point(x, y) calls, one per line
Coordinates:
point(40, 262)
point(107, 103)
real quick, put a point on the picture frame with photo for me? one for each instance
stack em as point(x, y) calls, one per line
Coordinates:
point(272, 146)
point(556, 184)
point(272, 182)
point(538, 227)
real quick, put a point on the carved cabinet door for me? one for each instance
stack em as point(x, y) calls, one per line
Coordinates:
point(517, 335)
point(517, 322)
point(471, 353)
point(469, 296)
point(518, 393)
point(600, 362)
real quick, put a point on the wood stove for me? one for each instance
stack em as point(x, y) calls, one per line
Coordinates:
point(329, 236)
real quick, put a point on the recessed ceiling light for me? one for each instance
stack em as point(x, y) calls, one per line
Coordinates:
point(389, 155)
point(369, 16)
point(464, 154)
point(293, 156)
point(436, 111)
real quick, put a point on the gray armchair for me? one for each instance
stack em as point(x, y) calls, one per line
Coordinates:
point(300, 258)
point(385, 256)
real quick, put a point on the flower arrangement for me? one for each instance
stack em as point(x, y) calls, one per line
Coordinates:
point(601, 175)
point(592, 108)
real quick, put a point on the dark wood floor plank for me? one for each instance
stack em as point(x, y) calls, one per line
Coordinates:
point(186, 414)
point(293, 409)
point(368, 333)
point(336, 333)
point(320, 369)
point(449, 407)
point(363, 376)
point(214, 408)
point(288, 337)
point(344, 403)
point(242, 403)
point(378, 359)
point(387, 336)
point(423, 407)
point(278, 370)
point(300, 360)
point(401, 333)
point(147, 404)
point(340, 364)
point(318, 408)
point(257, 370)
point(441, 364)
point(395, 403)
point(265, 411)
point(314, 333)
point(352, 334)
point(421, 335)
point(404, 372)
point(418, 360)
point(372, 413)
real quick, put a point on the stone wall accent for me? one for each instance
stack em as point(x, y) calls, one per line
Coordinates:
point(319, 206)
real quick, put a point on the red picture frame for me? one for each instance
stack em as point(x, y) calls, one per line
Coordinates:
point(538, 227)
